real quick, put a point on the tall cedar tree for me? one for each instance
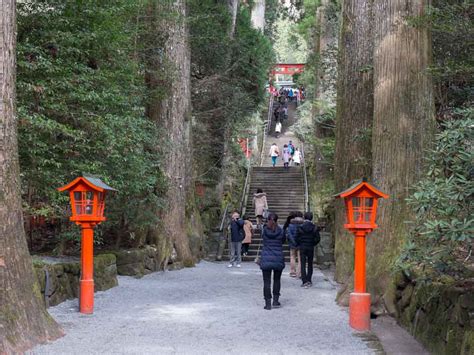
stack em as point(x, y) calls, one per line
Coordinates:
point(23, 318)
point(171, 70)
point(325, 38)
point(354, 116)
point(403, 126)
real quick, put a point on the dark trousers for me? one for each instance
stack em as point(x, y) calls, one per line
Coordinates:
point(245, 247)
point(306, 264)
point(267, 280)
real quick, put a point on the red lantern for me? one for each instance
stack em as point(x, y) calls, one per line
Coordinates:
point(361, 201)
point(87, 199)
point(87, 204)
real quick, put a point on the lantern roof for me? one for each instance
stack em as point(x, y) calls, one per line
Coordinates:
point(93, 182)
point(359, 185)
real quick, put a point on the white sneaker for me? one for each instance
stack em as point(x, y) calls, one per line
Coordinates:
point(230, 265)
point(238, 265)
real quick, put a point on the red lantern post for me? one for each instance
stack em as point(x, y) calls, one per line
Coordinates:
point(361, 209)
point(87, 196)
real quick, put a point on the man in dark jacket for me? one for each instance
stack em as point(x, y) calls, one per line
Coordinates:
point(307, 236)
point(236, 237)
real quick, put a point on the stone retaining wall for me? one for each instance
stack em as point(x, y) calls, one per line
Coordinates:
point(139, 262)
point(63, 276)
point(325, 250)
point(63, 273)
point(439, 315)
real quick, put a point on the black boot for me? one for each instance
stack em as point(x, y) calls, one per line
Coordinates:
point(276, 304)
point(268, 304)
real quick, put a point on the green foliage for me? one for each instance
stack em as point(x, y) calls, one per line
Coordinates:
point(453, 68)
point(307, 23)
point(443, 229)
point(252, 57)
point(273, 11)
point(445, 198)
point(226, 88)
point(290, 46)
point(80, 95)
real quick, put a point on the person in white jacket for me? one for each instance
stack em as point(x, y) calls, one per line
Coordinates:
point(277, 129)
point(297, 157)
point(274, 153)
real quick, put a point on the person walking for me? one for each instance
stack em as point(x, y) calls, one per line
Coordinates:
point(236, 237)
point(297, 157)
point(286, 156)
point(272, 261)
point(278, 128)
point(261, 205)
point(291, 149)
point(248, 235)
point(293, 222)
point(290, 95)
point(307, 237)
point(274, 153)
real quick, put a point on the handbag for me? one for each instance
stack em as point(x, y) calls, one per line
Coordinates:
point(265, 213)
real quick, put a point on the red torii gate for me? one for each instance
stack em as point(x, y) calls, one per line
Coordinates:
point(287, 68)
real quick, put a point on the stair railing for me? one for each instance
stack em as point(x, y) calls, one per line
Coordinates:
point(305, 176)
point(266, 128)
point(224, 216)
point(245, 190)
point(222, 235)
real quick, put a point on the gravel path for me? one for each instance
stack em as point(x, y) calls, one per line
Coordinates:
point(208, 309)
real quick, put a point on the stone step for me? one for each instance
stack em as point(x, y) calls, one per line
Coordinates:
point(279, 206)
point(267, 169)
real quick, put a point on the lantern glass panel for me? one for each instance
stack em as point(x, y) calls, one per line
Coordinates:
point(362, 209)
point(369, 206)
point(78, 202)
point(100, 206)
point(89, 202)
point(356, 203)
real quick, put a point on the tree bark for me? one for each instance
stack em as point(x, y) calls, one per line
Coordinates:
point(24, 321)
point(172, 113)
point(353, 118)
point(324, 46)
point(233, 9)
point(403, 126)
point(258, 14)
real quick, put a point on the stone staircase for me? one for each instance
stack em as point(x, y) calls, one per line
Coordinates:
point(285, 193)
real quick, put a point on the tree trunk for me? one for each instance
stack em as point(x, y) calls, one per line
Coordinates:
point(403, 126)
point(24, 321)
point(172, 113)
point(354, 117)
point(233, 9)
point(258, 14)
point(325, 47)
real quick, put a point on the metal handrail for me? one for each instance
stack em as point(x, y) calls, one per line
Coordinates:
point(243, 200)
point(306, 190)
point(266, 128)
point(224, 216)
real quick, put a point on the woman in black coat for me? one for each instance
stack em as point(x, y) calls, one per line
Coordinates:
point(272, 259)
